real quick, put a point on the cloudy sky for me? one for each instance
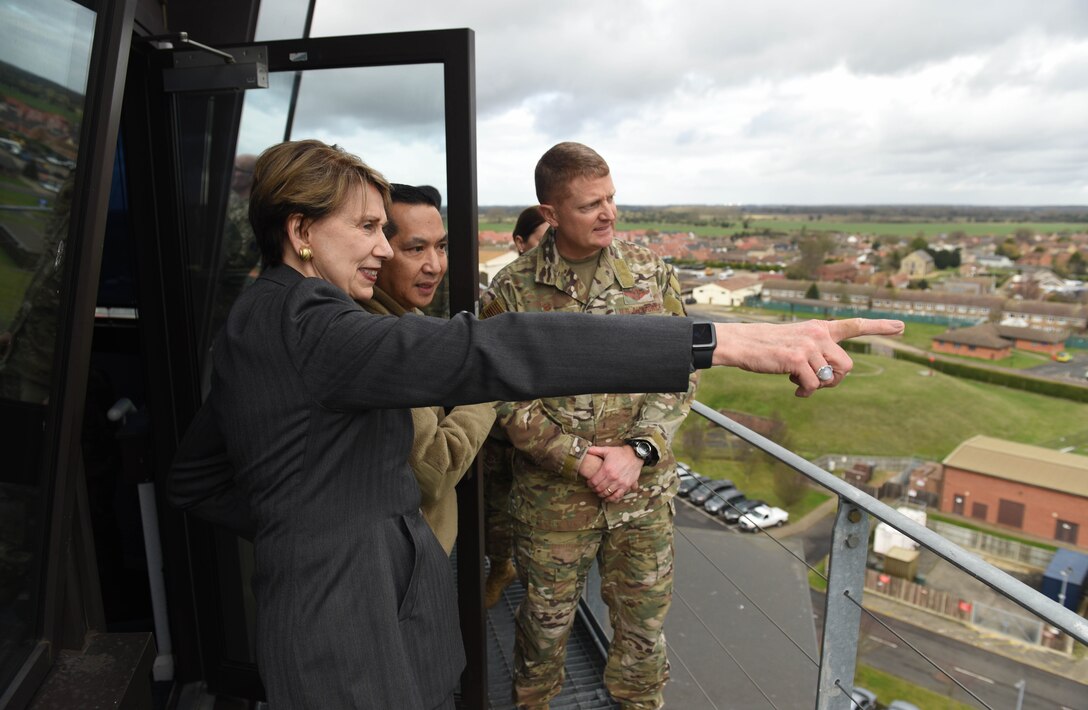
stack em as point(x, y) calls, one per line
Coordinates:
point(719, 101)
point(50, 38)
point(696, 101)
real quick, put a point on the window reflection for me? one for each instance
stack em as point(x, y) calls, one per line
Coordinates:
point(44, 59)
point(281, 19)
point(240, 255)
point(393, 117)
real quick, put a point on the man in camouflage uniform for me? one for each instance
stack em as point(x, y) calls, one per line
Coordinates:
point(594, 475)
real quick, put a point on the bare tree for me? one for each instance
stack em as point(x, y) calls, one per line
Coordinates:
point(814, 249)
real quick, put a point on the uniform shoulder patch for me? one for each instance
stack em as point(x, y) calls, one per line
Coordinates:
point(494, 308)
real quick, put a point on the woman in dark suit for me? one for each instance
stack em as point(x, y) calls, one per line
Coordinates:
point(304, 438)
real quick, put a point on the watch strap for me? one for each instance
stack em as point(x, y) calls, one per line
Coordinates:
point(703, 341)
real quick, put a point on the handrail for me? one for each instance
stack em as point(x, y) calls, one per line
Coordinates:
point(1055, 614)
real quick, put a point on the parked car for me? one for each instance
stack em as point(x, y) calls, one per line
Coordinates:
point(902, 705)
point(763, 517)
point(732, 514)
point(864, 699)
point(702, 493)
point(689, 482)
point(723, 500)
point(1063, 356)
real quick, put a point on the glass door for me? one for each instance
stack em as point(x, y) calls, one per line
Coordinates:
point(402, 102)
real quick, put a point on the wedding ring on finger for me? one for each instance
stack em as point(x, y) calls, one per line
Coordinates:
point(608, 491)
point(825, 374)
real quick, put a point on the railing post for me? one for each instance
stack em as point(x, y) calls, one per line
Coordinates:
point(842, 616)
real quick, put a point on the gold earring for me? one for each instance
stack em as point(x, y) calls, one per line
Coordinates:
point(305, 253)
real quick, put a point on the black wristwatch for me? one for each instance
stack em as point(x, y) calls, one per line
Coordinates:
point(644, 450)
point(703, 342)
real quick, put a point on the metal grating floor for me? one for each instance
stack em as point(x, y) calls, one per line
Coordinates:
point(583, 688)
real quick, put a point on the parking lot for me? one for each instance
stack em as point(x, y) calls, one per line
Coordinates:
point(1075, 370)
point(722, 502)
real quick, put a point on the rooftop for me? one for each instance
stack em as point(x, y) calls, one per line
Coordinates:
point(1022, 463)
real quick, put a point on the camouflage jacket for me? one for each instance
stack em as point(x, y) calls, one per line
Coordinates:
point(552, 435)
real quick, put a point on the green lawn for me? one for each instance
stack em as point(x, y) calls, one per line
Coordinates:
point(886, 407)
point(755, 481)
point(21, 198)
point(700, 230)
point(909, 230)
point(888, 688)
point(13, 283)
point(906, 230)
point(920, 335)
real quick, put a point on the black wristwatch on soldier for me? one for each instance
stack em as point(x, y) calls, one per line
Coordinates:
point(644, 450)
point(703, 341)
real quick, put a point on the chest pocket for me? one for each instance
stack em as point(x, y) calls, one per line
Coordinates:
point(640, 298)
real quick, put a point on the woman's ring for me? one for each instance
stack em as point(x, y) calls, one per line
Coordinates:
point(608, 491)
point(825, 373)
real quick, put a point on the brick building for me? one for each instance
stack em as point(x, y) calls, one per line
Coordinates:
point(990, 341)
point(1039, 491)
point(981, 341)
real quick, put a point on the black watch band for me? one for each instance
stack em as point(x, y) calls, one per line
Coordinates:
point(645, 450)
point(703, 341)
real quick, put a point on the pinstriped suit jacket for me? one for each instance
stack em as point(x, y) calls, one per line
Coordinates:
point(303, 444)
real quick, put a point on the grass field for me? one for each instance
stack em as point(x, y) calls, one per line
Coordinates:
point(13, 283)
point(902, 230)
point(886, 407)
point(911, 229)
point(17, 197)
point(920, 335)
point(888, 688)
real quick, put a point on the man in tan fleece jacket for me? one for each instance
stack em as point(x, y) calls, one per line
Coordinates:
point(445, 444)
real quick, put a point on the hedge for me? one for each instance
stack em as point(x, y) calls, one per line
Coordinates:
point(1051, 388)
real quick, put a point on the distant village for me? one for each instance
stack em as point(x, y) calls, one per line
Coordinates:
point(1023, 291)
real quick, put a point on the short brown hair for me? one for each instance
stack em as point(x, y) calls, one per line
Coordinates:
point(562, 163)
point(304, 177)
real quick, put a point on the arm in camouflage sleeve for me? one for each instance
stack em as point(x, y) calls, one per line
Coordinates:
point(662, 414)
point(526, 424)
point(539, 437)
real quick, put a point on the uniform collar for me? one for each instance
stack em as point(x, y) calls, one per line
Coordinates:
point(551, 270)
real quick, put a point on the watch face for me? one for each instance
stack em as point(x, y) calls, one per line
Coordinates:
point(702, 334)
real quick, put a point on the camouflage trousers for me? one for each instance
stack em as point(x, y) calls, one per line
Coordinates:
point(636, 564)
point(496, 459)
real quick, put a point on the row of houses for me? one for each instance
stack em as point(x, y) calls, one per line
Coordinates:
point(1044, 315)
point(964, 299)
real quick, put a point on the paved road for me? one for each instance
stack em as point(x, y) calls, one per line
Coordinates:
point(988, 675)
point(1075, 370)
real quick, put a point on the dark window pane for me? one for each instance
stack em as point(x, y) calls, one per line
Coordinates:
point(44, 58)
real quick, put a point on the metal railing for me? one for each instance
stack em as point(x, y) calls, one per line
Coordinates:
point(847, 565)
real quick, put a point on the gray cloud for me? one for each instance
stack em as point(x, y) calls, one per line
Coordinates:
point(406, 98)
point(842, 101)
